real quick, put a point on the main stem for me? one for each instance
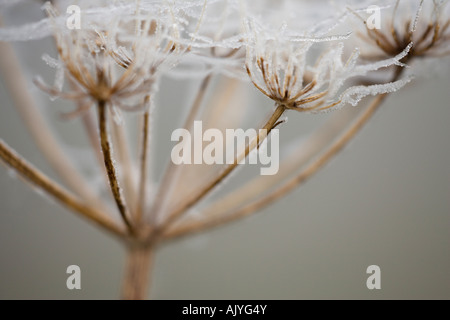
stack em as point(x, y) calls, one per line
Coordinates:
point(137, 272)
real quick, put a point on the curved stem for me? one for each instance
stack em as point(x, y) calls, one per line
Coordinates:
point(143, 168)
point(109, 165)
point(337, 146)
point(171, 173)
point(266, 129)
point(40, 180)
point(91, 131)
point(37, 126)
point(300, 156)
point(125, 163)
point(223, 112)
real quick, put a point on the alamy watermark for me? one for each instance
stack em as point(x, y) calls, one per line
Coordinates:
point(374, 20)
point(74, 280)
point(374, 280)
point(73, 22)
point(212, 146)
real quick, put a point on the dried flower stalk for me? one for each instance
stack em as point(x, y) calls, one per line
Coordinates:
point(38, 179)
point(117, 65)
point(109, 165)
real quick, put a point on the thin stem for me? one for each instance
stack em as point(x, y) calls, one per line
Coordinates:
point(143, 168)
point(91, 131)
point(37, 126)
point(221, 113)
point(137, 273)
point(126, 164)
point(302, 154)
point(40, 180)
point(242, 212)
point(282, 190)
point(266, 129)
point(109, 165)
point(171, 173)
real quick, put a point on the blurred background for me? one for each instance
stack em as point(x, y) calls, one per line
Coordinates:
point(385, 200)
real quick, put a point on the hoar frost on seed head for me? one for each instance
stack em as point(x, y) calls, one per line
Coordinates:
point(215, 43)
point(119, 58)
point(279, 66)
point(124, 47)
point(424, 23)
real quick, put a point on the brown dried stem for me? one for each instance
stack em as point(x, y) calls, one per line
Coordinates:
point(303, 153)
point(91, 131)
point(45, 140)
point(291, 184)
point(171, 173)
point(220, 114)
point(40, 180)
point(137, 272)
point(175, 214)
point(143, 167)
point(125, 162)
point(109, 165)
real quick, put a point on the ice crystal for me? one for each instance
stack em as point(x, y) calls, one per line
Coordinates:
point(424, 23)
point(278, 67)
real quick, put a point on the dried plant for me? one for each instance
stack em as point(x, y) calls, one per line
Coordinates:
point(115, 62)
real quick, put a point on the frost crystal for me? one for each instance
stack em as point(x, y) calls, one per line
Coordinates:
point(299, 58)
point(424, 23)
point(118, 58)
point(278, 66)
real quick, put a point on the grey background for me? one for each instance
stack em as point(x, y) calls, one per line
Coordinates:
point(384, 201)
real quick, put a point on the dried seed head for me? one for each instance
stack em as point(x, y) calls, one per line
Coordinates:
point(278, 67)
point(428, 29)
point(117, 60)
